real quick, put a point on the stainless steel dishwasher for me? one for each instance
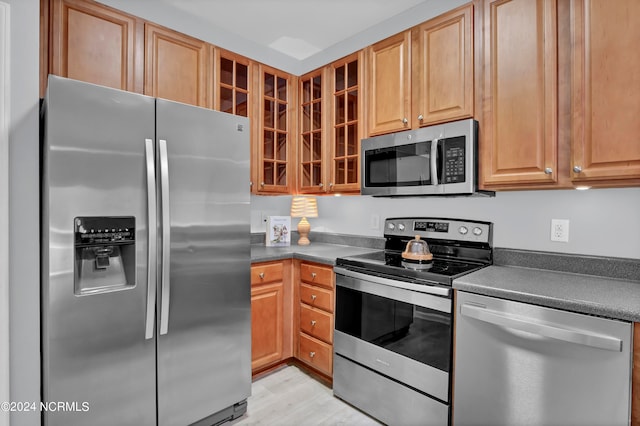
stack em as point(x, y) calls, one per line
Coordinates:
point(520, 364)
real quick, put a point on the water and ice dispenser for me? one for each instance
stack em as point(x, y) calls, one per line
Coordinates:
point(105, 250)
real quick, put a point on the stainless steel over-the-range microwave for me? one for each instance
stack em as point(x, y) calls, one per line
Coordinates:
point(433, 160)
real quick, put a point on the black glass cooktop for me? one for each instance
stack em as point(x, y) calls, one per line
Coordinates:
point(390, 263)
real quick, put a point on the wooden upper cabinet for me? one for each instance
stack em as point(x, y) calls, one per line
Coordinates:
point(276, 129)
point(389, 84)
point(313, 136)
point(176, 66)
point(233, 84)
point(94, 43)
point(605, 92)
point(442, 70)
point(519, 131)
point(347, 129)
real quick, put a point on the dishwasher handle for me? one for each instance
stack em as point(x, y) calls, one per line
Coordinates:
point(553, 331)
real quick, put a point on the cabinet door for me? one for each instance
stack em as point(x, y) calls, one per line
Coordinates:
point(276, 128)
point(96, 44)
point(443, 68)
point(266, 324)
point(346, 115)
point(606, 91)
point(312, 129)
point(176, 66)
point(519, 128)
point(389, 84)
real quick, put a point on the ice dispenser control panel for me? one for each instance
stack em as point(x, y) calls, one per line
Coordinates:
point(104, 253)
point(104, 230)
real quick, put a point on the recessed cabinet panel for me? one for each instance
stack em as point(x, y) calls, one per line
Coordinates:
point(606, 88)
point(175, 66)
point(389, 84)
point(443, 68)
point(519, 127)
point(93, 43)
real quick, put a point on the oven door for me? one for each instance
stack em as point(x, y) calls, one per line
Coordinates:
point(401, 333)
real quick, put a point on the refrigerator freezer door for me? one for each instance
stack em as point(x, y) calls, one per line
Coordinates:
point(204, 359)
point(94, 346)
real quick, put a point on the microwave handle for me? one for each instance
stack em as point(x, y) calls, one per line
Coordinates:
point(434, 161)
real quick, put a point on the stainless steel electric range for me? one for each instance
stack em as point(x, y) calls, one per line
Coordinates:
point(393, 319)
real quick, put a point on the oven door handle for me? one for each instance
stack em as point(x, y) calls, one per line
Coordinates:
point(415, 294)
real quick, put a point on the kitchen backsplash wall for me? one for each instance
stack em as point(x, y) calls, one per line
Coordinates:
point(603, 222)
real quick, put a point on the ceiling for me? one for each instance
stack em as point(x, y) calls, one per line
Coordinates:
point(296, 28)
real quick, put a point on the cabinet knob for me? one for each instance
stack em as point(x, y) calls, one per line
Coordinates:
point(313, 323)
point(261, 275)
point(330, 184)
point(313, 297)
point(405, 120)
point(548, 170)
point(312, 354)
point(577, 169)
point(313, 275)
point(420, 117)
point(321, 185)
point(250, 184)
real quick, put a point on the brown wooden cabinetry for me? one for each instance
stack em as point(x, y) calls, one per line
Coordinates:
point(270, 314)
point(389, 84)
point(176, 66)
point(422, 76)
point(313, 135)
point(442, 68)
point(316, 304)
point(277, 98)
point(605, 92)
point(93, 43)
point(519, 129)
point(346, 77)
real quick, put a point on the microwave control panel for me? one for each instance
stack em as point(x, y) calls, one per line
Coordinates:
point(454, 159)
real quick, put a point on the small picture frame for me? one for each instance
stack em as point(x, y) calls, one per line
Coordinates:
point(278, 231)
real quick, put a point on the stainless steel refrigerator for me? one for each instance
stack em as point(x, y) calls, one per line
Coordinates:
point(146, 315)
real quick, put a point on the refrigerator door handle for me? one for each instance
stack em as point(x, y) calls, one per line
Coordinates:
point(152, 239)
point(166, 237)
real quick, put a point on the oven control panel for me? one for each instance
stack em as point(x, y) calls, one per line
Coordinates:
point(439, 228)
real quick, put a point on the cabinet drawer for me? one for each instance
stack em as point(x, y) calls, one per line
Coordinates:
point(316, 353)
point(316, 323)
point(266, 273)
point(317, 297)
point(316, 274)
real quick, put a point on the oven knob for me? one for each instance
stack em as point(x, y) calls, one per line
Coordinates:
point(401, 227)
point(463, 230)
point(391, 226)
point(477, 231)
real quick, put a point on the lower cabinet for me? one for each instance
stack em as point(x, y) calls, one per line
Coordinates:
point(292, 305)
point(270, 314)
point(315, 315)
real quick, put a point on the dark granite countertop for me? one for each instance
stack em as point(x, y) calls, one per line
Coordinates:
point(314, 252)
point(555, 281)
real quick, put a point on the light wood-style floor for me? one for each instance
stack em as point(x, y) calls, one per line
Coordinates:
point(291, 397)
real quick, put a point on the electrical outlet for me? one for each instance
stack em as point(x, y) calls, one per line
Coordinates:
point(375, 221)
point(560, 230)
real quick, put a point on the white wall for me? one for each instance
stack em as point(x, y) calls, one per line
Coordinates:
point(603, 222)
point(4, 207)
point(24, 247)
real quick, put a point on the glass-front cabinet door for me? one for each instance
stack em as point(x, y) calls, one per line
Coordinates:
point(277, 107)
point(233, 84)
point(347, 120)
point(311, 148)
